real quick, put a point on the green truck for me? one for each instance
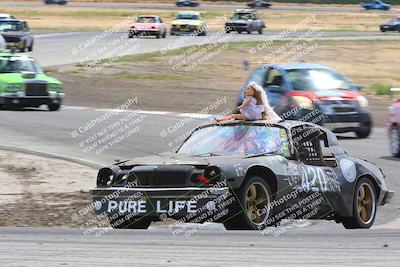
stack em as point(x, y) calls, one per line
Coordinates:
point(24, 84)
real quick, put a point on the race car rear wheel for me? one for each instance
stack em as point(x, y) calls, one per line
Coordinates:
point(250, 212)
point(122, 223)
point(364, 206)
point(395, 141)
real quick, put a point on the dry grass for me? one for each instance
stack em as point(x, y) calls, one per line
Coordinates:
point(73, 18)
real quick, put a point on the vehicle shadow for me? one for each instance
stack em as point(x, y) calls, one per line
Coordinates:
point(22, 109)
point(390, 158)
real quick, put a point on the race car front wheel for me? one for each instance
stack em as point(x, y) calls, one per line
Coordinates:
point(250, 210)
point(395, 141)
point(131, 223)
point(364, 206)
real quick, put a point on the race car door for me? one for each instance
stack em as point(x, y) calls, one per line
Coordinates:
point(317, 173)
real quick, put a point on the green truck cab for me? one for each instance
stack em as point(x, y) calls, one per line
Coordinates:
point(24, 84)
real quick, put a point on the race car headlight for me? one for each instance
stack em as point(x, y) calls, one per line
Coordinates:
point(212, 173)
point(12, 88)
point(363, 101)
point(55, 88)
point(104, 177)
point(304, 102)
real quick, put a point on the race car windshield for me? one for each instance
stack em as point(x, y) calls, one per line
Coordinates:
point(11, 65)
point(236, 139)
point(316, 79)
point(10, 26)
point(242, 16)
point(146, 20)
point(187, 16)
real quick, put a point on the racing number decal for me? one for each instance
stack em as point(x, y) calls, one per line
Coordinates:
point(318, 179)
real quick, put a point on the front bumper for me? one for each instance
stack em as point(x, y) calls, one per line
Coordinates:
point(185, 29)
point(237, 28)
point(341, 123)
point(19, 45)
point(387, 197)
point(157, 203)
point(30, 101)
point(145, 32)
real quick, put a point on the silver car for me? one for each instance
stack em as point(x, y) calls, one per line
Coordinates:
point(17, 34)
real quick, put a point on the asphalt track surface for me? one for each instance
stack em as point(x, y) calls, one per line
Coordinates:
point(66, 48)
point(214, 247)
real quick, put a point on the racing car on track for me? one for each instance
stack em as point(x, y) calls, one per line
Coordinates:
point(259, 4)
point(17, 34)
point(376, 4)
point(187, 3)
point(246, 175)
point(189, 22)
point(394, 128)
point(391, 25)
point(245, 20)
point(148, 25)
point(24, 84)
point(324, 96)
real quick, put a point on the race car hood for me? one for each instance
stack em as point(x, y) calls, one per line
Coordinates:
point(239, 21)
point(144, 26)
point(186, 22)
point(174, 159)
point(329, 94)
point(11, 34)
point(19, 78)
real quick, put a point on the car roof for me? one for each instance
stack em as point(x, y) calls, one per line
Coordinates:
point(292, 66)
point(287, 124)
point(189, 12)
point(245, 11)
point(149, 16)
point(11, 54)
point(12, 20)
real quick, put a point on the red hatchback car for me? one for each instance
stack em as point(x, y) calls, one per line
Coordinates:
point(394, 127)
point(147, 25)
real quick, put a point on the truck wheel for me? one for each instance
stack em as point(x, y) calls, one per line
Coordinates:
point(260, 31)
point(122, 223)
point(53, 107)
point(364, 131)
point(250, 212)
point(395, 141)
point(364, 206)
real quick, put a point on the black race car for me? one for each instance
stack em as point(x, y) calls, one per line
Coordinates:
point(186, 3)
point(259, 4)
point(391, 25)
point(246, 175)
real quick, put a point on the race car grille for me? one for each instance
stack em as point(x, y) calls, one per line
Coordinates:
point(236, 24)
point(344, 109)
point(161, 176)
point(36, 89)
point(12, 39)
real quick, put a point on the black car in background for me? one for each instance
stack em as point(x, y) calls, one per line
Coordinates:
point(56, 2)
point(391, 25)
point(259, 4)
point(190, 3)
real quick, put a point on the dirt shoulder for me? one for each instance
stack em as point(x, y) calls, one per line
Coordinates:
point(41, 191)
point(165, 83)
